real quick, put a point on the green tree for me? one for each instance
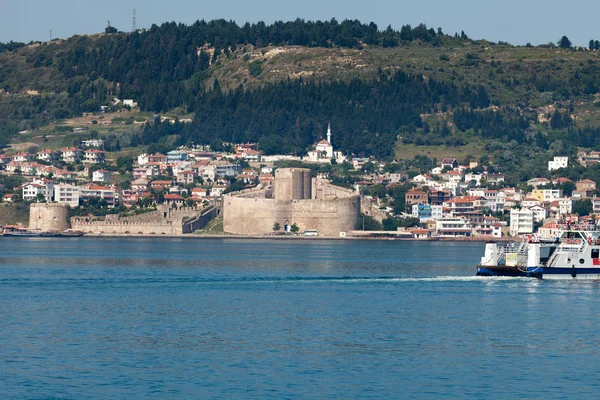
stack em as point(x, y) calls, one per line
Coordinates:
point(564, 43)
point(255, 68)
point(294, 228)
point(276, 227)
point(368, 223)
point(390, 224)
point(583, 207)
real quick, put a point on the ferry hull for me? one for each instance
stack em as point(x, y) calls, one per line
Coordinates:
point(553, 273)
point(571, 273)
point(500, 271)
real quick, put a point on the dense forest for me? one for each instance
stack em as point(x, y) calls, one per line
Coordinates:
point(290, 116)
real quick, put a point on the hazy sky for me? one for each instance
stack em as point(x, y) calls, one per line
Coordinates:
point(517, 22)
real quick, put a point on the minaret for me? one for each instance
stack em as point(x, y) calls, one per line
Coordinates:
point(329, 133)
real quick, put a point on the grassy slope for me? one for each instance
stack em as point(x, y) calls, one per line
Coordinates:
point(9, 214)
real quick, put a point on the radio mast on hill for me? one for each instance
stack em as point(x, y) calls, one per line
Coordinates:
point(133, 29)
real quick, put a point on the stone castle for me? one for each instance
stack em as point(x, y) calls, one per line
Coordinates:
point(53, 217)
point(49, 217)
point(296, 198)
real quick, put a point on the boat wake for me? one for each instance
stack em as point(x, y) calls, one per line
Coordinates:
point(144, 280)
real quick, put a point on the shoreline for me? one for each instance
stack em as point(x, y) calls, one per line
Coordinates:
point(286, 237)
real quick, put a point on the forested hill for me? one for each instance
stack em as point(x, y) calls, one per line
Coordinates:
point(280, 84)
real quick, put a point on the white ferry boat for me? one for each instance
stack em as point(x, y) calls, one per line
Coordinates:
point(575, 254)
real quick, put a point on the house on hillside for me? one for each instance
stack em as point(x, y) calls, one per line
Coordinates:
point(449, 163)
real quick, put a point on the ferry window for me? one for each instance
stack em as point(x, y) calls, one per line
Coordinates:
point(581, 261)
point(595, 253)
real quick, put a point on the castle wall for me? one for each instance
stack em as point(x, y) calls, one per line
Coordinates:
point(49, 217)
point(253, 216)
point(199, 222)
point(257, 216)
point(144, 228)
point(164, 221)
point(298, 199)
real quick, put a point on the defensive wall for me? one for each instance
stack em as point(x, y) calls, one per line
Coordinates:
point(163, 221)
point(371, 209)
point(298, 199)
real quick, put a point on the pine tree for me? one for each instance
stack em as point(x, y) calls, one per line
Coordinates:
point(564, 43)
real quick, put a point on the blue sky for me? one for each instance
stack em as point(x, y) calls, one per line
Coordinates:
point(517, 22)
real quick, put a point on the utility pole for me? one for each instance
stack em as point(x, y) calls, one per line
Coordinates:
point(133, 28)
point(50, 34)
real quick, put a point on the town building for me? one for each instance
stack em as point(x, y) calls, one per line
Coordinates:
point(108, 193)
point(97, 143)
point(416, 195)
point(546, 195)
point(93, 156)
point(176, 156)
point(449, 163)
point(557, 163)
point(584, 189)
point(186, 177)
point(425, 212)
point(22, 157)
point(40, 188)
point(48, 155)
point(71, 155)
point(537, 182)
point(176, 199)
point(140, 185)
point(101, 175)
point(521, 221)
point(226, 169)
point(453, 227)
point(66, 194)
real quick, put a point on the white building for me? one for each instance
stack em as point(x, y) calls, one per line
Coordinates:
point(130, 103)
point(539, 213)
point(453, 227)
point(97, 143)
point(108, 193)
point(66, 194)
point(48, 155)
point(101, 175)
point(521, 221)
point(71, 155)
point(93, 156)
point(35, 188)
point(426, 212)
point(469, 177)
point(323, 151)
point(227, 170)
point(557, 163)
point(186, 177)
point(565, 206)
point(22, 157)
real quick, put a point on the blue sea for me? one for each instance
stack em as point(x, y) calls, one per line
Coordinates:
point(226, 319)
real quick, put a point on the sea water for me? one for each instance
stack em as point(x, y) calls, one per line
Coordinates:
point(179, 318)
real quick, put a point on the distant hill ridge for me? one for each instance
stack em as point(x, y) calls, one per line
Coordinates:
point(419, 83)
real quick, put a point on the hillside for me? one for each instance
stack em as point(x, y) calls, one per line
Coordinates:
point(280, 84)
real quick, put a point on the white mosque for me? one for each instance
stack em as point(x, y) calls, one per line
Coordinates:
point(323, 152)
